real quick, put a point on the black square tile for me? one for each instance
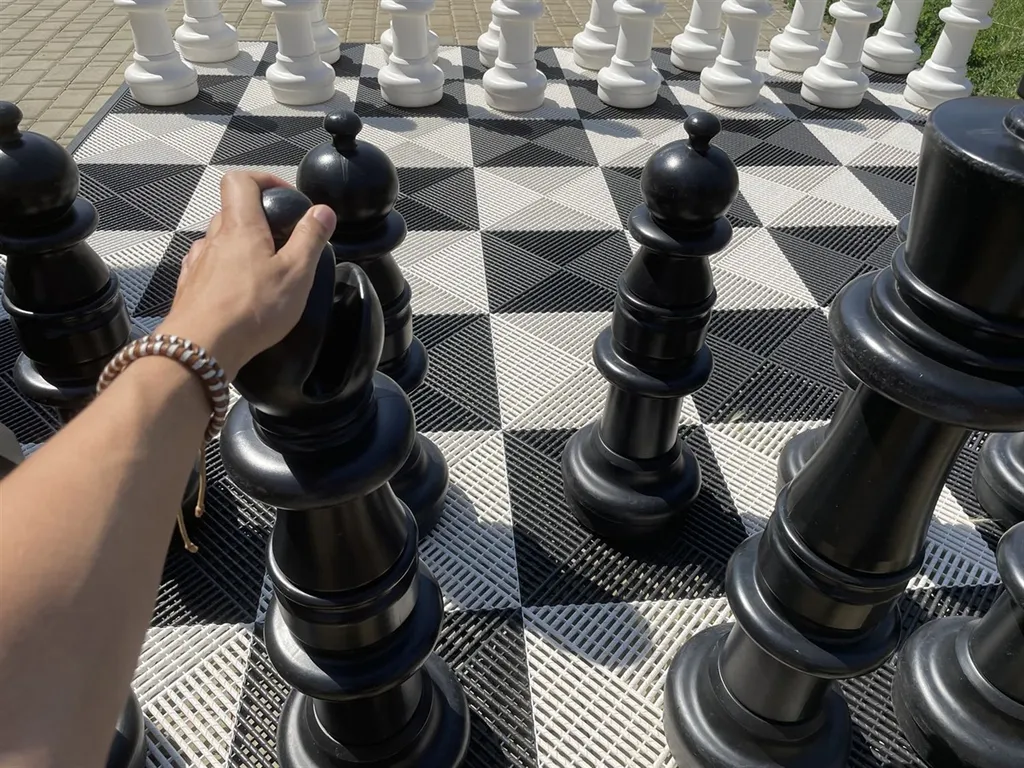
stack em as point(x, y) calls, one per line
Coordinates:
point(156, 301)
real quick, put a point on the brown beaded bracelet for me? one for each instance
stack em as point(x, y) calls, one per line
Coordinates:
point(210, 375)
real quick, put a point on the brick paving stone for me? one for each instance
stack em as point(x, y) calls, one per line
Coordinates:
point(61, 59)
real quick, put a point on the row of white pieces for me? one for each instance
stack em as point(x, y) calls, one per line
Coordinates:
point(161, 76)
point(832, 75)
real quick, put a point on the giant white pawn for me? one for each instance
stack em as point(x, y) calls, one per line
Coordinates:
point(410, 79)
point(800, 44)
point(594, 47)
point(514, 84)
point(487, 43)
point(387, 42)
point(894, 49)
point(697, 46)
point(204, 36)
point(298, 76)
point(157, 75)
point(631, 81)
point(328, 43)
point(944, 75)
point(838, 81)
point(733, 80)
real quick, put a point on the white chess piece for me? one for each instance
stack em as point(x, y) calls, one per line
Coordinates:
point(838, 80)
point(631, 80)
point(487, 43)
point(328, 43)
point(944, 75)
point(800, 45)
point(733, 80)
point(410, 78)
point(204, 36)
point(298, 76)
point(387, 42)
point(894, 49)
point(157, 76)
point(514, 84)
point(697, 46)
point(594, 46)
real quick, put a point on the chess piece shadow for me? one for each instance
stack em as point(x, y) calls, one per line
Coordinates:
point(461, 522)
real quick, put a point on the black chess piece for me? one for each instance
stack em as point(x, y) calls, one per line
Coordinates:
point(999, 477)
point(628, 475)
point(934, 340)
point(355, 615)
point(1020, 88)
point(360, 183)
point(958, 691)
point(128, 749)
point(798, 449)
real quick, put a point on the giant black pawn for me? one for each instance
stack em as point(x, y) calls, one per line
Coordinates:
point(628, 476)
point(999, 477)
point(360, 183)
point(355, 615)
point(959, 685)
point(934, 340)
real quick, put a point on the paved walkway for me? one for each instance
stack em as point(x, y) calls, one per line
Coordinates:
point(61, 59)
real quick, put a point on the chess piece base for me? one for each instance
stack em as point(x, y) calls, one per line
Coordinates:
point(436, 737)
point(625, 86)
point(693, 55)
point(949, 713)
point(927, 91)
point(825, 87)
point(411, 85)
point(725, 88)
point(623, 499)
point(791, 53)
point(302, 83)
point(796, 453)
point(707, 728)
point(891, 54)
point(128, 749)
point(487, 45)
point(422, 484)
point(514, 88)
point(207, 41)
point(593, 48)
point(999, 478)
point(161, 81)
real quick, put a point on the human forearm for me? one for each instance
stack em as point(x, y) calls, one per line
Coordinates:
point(76, 603)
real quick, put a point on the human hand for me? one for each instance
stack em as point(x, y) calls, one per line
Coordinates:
point(236, 296)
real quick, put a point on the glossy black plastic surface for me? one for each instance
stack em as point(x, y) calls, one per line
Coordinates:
point(360, 183)
point(629, 476)
point(959, 685)
point(355, 615)
point(999, 477)
point(814, 595)
point(128, 749)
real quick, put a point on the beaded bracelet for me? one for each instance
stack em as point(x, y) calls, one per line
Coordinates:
point(210, 374)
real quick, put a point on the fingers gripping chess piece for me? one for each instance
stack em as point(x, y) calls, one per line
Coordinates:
point(629, 476)
point(934, 340)
point(355, 615)
point(360, 183)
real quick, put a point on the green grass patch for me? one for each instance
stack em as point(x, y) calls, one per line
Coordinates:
point(997, 60)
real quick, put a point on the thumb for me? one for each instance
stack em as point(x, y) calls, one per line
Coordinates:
point(309, 237)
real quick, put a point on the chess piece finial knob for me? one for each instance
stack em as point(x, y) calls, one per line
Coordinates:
point(356, 179)
point(344, 126)
point(37, 175)
point(1014, 122)
point(10, 120)
point(690, 183)
point(284, 208)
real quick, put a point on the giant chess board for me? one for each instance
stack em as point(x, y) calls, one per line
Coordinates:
point(517, 236)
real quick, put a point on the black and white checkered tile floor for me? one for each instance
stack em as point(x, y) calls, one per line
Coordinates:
point(517, 236)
